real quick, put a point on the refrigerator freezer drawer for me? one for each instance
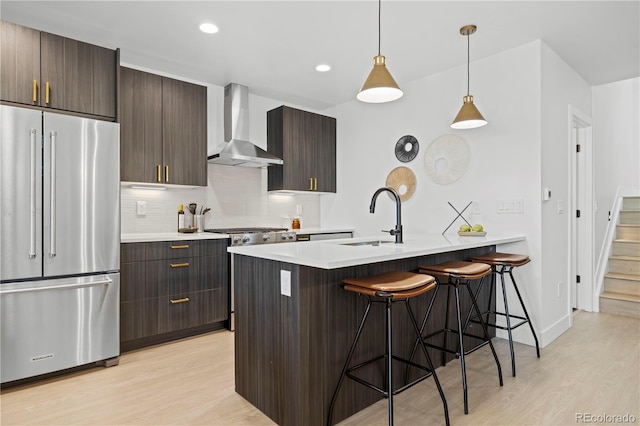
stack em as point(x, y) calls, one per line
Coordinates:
point(56, 324)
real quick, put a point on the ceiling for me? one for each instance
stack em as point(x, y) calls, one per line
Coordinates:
point(274, 46)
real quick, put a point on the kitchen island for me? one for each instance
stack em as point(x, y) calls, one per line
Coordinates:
point(294, 323)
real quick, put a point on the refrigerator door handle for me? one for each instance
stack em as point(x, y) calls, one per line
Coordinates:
point(52, 181)
point(106, 281)
point(33, 195)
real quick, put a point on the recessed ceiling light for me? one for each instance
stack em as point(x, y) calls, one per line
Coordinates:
point(208, 28)
point(323, 68)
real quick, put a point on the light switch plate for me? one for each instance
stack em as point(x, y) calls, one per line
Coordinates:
point(141, 208)
point(510, 206)
point(285, 283)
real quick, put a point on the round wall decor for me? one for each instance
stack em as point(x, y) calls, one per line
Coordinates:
point(447, 159)
point(403, 180)
point(407, 148)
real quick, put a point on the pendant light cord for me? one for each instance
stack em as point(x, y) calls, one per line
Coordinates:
point(468, 60)
point(379, 26)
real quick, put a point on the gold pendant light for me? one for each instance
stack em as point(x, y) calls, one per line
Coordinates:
point(380, 86)
point(469, 117)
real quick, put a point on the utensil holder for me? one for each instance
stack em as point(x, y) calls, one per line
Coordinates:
point(199, 222)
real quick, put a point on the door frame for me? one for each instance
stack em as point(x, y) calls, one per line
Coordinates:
point(580, 130)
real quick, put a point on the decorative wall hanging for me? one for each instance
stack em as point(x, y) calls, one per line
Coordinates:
point(403, 180)
point(447, 159)
point(407, 148)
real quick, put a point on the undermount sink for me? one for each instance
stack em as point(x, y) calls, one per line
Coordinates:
point(367, 243)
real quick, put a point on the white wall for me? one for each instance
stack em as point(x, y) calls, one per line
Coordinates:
point(561, 87)
point(507, 160)
point(616, 135)
point(237, 195)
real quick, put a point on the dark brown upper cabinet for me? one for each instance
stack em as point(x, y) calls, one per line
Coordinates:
point(163, 130)
point(51, 71)
point(306, 142)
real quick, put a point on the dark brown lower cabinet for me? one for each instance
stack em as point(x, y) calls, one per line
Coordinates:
point(165, 296)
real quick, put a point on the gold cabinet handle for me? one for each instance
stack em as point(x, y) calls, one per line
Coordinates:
point(35, 91)
point(185, 246)
point(46, 93)
point(175, 301)
point(179, 265)
point(166, 174)
point(315, 184)
point(310, 184)
point(158, 171)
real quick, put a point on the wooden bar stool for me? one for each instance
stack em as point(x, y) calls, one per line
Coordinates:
point(388, 288)
point(454, 274)
point(503, 263)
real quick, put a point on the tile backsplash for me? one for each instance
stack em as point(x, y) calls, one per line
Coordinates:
point(237, 197)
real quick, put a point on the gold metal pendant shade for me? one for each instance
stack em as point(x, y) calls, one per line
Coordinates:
point(469, 117)
point(380, 86)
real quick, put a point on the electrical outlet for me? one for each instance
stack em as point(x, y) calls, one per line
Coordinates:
point(285, 283)
point(141, 208)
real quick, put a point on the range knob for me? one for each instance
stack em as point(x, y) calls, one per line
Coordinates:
point(266, 237)
point(236, 240)
point(245, 239)
point(284, 236)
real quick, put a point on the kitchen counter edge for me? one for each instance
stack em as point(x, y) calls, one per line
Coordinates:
point(333, 254)
point(178, 236)
point(170, 236)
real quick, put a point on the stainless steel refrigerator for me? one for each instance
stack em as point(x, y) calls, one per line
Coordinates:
point(60, 238)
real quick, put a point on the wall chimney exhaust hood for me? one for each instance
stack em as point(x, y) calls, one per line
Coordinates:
point(237, 150)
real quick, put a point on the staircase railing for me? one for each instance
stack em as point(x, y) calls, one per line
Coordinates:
point(605, 252)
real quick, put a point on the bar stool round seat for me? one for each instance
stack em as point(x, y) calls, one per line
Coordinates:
point(388, 288)
point(455, 274)
point(501, 264)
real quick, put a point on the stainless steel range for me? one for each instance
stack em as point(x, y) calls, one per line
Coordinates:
point(248, 237)
point(252, 236)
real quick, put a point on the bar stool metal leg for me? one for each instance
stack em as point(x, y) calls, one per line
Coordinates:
point(501, 270)
point(486, 333)
point(348, 361)
point(389, 363)
point(526, 314)
point(388, 298)
point(508, 319)
point(455, 282)
point(461, 351)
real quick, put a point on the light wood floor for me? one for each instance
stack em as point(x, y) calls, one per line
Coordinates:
point(592, 368)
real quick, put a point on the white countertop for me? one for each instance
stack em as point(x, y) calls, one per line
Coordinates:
point(177, 236)
point(332, 254)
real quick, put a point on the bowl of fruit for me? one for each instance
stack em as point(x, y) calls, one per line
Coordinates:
point(467, 230)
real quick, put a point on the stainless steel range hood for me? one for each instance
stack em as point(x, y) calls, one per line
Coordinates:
point(237, 150)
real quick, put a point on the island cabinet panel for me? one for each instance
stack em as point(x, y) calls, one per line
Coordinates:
point(306, 142)
point(290, 350)
point(50, 71)
point(172, 289)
